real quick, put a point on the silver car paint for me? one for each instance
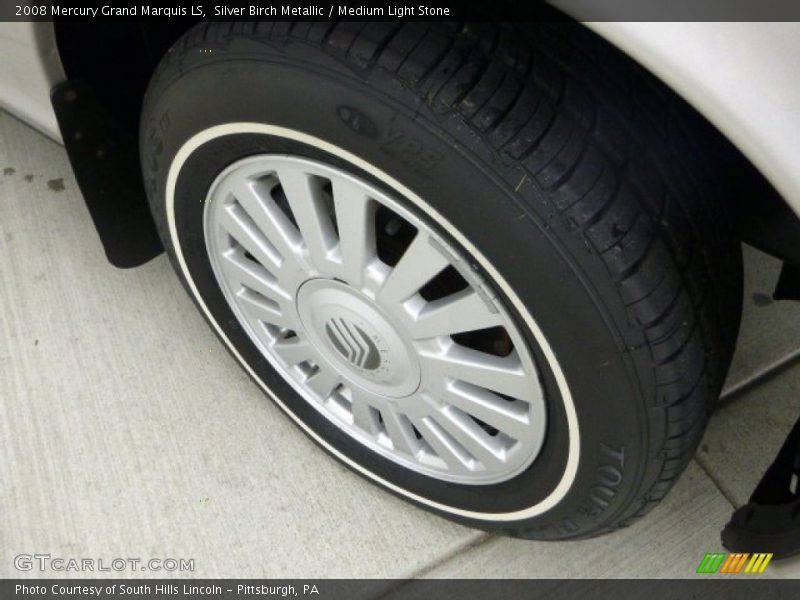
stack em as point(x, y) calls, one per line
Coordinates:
point(29, 69)
point(742, 76)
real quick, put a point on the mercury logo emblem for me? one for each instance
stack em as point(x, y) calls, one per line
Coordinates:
point(353, 344)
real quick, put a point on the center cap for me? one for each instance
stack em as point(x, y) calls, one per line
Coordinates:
point(358, 338)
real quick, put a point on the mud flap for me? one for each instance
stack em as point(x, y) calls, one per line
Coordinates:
point(105, 159)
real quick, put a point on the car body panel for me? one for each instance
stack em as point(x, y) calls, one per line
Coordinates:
point(29, 70)
point(743, 77)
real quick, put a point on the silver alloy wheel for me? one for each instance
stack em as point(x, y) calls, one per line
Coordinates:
point(374, 319)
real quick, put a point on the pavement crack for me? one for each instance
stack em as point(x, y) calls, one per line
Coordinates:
point(468, 546)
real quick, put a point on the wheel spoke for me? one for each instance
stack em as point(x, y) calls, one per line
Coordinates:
point(457, 460)
point(324, 381)
point(355, 215)
point(263, 309)
point(504, 375)
point(268, 217)
point(509, 417)
point(470, 436)
point(365, 417)
point(235, 221)
point(420, 263)
point(456, 313)
point(400, 431)
point(305, 197)
point(295, 351)
point(254, 276)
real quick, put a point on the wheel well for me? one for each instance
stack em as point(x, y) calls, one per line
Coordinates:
point(116, 60)
point(118, 75)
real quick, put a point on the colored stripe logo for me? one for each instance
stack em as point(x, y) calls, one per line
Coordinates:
point(734, 563)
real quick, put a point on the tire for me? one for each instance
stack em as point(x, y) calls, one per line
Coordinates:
point(577, 191)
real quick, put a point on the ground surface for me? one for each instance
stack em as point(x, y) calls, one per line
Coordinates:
point(127, 431)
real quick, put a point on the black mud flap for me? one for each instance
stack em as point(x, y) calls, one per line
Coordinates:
point(770, 521)
point(788, 287)
point(105, 160)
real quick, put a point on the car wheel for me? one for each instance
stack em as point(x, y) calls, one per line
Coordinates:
point(465, 264)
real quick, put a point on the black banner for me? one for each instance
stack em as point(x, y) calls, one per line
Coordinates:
point(343, 589)
point(392, 10)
